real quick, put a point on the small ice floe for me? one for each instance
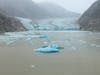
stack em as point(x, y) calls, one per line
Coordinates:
point(97, 45)
point(74, 48)
point(46, 43)
point(56, 46)
point(82, 41)
point(49, 49)
point(10, 42)
point(44, 36)
point(32, 66)
point(93, 45)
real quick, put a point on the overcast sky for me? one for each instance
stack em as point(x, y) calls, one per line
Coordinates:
point(74, 5)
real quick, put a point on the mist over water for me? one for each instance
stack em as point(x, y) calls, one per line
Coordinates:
point(79, 6)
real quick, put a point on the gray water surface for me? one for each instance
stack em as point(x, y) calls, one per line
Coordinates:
point(80, 55)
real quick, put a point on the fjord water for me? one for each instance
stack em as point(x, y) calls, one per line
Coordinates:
point(80, 55)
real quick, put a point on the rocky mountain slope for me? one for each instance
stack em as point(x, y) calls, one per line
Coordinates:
point(22, 8)
point(29, 9)
point(90, 20)
point(54, 10)
point(10, 24)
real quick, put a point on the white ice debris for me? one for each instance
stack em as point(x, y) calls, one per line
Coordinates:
point(93, 45)
point(98, 46)
point(82, 41)
point(32, 66)
point(10, 38)
point(74, 48)
point(46, 43)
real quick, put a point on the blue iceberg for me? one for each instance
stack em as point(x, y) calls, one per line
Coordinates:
point(49, 49)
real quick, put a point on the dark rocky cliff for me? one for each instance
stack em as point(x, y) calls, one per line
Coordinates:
point(10, 24)
point(90, 20)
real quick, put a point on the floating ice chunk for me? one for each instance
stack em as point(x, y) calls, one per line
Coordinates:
point(74, 48)
point(44, 36)
point(93, 44)
point(46, 43)
point(82, 41)
point(56, 46)
point(48, 49)
point(97, 45)
point(10, 42)
point(32, 66)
